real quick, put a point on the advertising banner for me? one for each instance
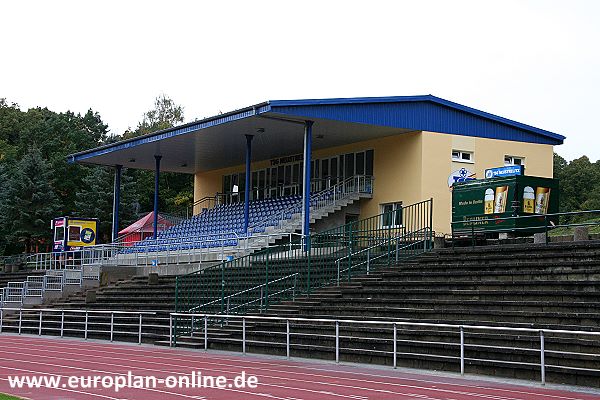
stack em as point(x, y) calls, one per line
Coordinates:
point(81, 233)
point(487, 203)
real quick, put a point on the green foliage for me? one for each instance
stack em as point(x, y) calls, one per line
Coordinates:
point(579, 182)
point(165, 114)
point(37, 182)
point(8, 397)
point(29, 201)
point(176, 190)
point(95, 198)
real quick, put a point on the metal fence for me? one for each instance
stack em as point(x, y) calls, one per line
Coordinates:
point(83, 323)
point(384, 339)
point(155, 252)
point(334, 255)
point(355, 185)
point(541, 223)
point(38, 285)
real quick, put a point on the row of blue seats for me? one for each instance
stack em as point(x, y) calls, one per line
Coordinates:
point(221, 222)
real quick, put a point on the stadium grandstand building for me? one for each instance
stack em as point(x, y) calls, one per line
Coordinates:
point(250, 165)
point(311, 235)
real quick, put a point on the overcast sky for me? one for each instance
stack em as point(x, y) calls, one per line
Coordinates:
point(537, 62)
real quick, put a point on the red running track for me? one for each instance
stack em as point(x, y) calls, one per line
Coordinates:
point(277, 378)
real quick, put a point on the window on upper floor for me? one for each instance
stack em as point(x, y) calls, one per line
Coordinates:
point(462, 156)
point(513, 160)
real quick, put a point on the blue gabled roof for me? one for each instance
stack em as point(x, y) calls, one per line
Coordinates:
point(428, 113)
point(419, 113)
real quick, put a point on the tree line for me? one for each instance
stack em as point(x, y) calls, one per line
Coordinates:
point(579, 183)
point(37, 184)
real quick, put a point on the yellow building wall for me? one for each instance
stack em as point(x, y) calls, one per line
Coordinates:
point(487, 153)
point(412, 167)
point(394, 156)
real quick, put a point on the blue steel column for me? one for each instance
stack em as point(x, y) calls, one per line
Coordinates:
point(306, 192)
point(156, 177)
point(116, 202)
point(248, 180)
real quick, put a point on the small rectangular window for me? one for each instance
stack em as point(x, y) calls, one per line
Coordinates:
point(74, 233)
point(391, 215)
point(462, 156)
point(513, 160)
point(59, 233)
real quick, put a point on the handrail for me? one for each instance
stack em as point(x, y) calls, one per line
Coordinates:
point(38, 285)
point(383, 322)
point(176, 317)
point(115, 254)
point(478, 225)
point(79, 311)
point(316, 265)
point(65, 312)
point(315, 197)
point(386, 239)
point(244, 291)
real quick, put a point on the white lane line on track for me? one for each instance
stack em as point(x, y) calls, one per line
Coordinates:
point(203, 358)
point(121, 374)
point(412, 387)
point(137, 367)
point(179, 373)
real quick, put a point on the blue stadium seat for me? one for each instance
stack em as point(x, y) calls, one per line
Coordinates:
point(221, 225)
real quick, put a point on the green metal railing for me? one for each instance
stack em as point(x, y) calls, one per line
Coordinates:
point(536, 223)
point(280, 272)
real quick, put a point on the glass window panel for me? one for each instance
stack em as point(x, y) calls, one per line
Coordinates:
point(227, 184)
point(295, 174)
point(369, 162)
point(59, 233)
point(74, 233)
point(360, 163)
point(288, 174)
point(334, 168)
point(273, 177)
point(349, 165)
point(324, 168)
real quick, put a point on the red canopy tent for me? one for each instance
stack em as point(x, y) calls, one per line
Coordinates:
point(143, 228)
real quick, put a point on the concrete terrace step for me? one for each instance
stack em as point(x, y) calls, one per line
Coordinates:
point(511, 305)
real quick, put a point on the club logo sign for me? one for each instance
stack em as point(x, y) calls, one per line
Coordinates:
point(461, 175)
point(87, 235)
point(500, 172)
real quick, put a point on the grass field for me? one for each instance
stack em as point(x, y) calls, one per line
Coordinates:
point(7, 397)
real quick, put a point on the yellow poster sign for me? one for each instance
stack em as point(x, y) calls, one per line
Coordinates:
point(81, 233)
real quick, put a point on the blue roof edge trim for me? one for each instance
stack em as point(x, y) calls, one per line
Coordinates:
point(171, 132)
point(287, 107)
point(419, 98)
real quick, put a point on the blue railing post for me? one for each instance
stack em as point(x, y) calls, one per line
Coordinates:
point(306, 192)
point(116, 202)
point(156, 181)
point(248, 180)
